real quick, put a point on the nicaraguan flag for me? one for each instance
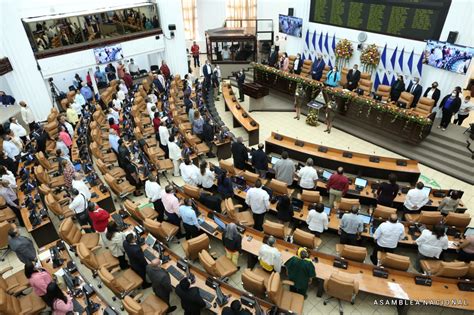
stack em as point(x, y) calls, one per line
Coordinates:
point(410, 62)
point(419, 66)
point(320, 42)
point(307, 38)
point(377, 81)
point(385, 80)
point(393, 58)
point(329, 63)
point(383, 57)
point(314, 40)
point(326, 44)
point(333, 45)
point(303, 57)
point(400, 59)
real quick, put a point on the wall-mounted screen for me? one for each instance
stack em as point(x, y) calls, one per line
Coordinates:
point(447, 56)
point(290, 25)
point(108, 54)
point(415, 19)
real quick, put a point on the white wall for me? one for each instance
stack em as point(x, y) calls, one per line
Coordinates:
point(459, 19)
point(211, 14)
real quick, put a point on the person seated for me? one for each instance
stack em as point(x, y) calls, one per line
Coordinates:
point(235, 308)
point(269, 256)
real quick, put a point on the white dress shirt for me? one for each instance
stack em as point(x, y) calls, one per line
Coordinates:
point(271, 256)
point(78, 204)
point(190, 174)
point(117, 103)
point(69, 128)
point(174, 150)
point(63, 147)
point(307, 175)
point(153, 190)
point(11, 149)
point(18, 130)
point(81, 186)
point(27, 115)
point(415, 199)
point(258, 200)
point(113, 141)
point(77, 107)
point(80, 101)
point(388, 234)
point(121, 93)
point(207, 180)
point(429, 245)
point(164, 135)
point(317, 222)
point(10, 178)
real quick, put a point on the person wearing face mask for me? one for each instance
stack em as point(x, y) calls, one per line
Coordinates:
point(449, 105)
point(398, 87)
point(463, 113)
point(415, 89)
point(273, 58)
point(317, 68)
point(353, 77)
point(433, 92)
point(333, 77)
point(298, 64)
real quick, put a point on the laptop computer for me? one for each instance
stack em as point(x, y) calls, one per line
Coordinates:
point(365, 218)
point(327, 210)
point(150, 240)
point(274, 159)
point(326, 175)
point(426, 190)
point(221, 226)
point(297, 204)
point(239, 182)
point(360, 183)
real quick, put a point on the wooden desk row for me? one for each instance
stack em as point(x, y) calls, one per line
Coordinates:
point(399, 285)
point(359, 163)
point(240, 115)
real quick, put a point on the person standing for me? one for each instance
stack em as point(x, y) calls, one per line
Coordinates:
point(386, 192)
point(165, 70)
point(273, 57)
point(206, 176)
point(232, 241)
point(284, 169)
point(337, 185)
point(235, 308)
point(269, 257)
point(259, 202)
point(189, 217)
point(415, 89)
point(195, 53)
point(160, 282)
point(133, 68)
point(307, 175)
point(174, 155)
point(433, 93)
point(317, 68)
point(239, 154)
point(240, 77)
point(285, 210)
point(171, 204)
point(136, 257)
point(298, 64)
point(398, 86)
point(387, 236)
point(224, 185)
point(189, 172)
point(415, 199)
point(301, 271)
point(78, 205)
point(68, 171)
point(114, 242)
point(449, 106)
point(18, 130)
point(164, 138)
point(333, 77)
point(87, 92)
point(207, 73)
point(464, 109)
point(22, 246)
point(260, 161)
point(353, 77)
point(284, 62)
point(300, 98)
point(99, 218)
point(153, 192)
point(100, 78)
point(449, 203)
point(317, 219)
point(27, 115)
point(431, 244)
point(11, 199)
point(350, 228)
point(330, 108)
point(39, 279)
point(191, 301)
point(60, 303)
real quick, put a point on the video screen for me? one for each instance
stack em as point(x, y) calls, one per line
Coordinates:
point(447, 56)
point(290, 25)
point(108, 54)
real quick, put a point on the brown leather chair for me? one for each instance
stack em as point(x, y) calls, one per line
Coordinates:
point(306, 239)
point(4, 228)
point(343, 80)
point(222, 267)
point(95, 261)
point(284, 298)
point(424, 106)
point(276, 229)
point(383, 212)
point(47, 164)
point(192, 191)
point(244, 217)
point(325, 73)
point(139, 213)
point(72, 235)
point(429, 218)
point(193, 246)
point(122, 188)
point(15, 283)
point(152, 305)
point(384, 91)
point(342, 286)
point(394, 261)
point(7, 215)
point(278, 187)
point(306, 68)
point(61, 211)
point(346, 204)
point(44, 178)
point(115, 171)
point(120, 283)
point(406, 98)
point(255, 281)
point(60, 196)
point(104, 156)
point(26, 305)
point(438, 268)
point(229, 167)
point(355, 253)
point(458, 220)
point(250, 177)
point(470, 272)
point(365, 85)
point(291, 62)
point(163, 231)
point(310, 196)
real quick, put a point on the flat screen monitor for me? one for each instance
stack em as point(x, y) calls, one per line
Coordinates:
point(297, 203)
point(108, 54)
point(326, 175)
point(426, 190)
point(274, 159)
point(469, 231)
point(365, 218)
point(290, 25)
point(239, 181)
point(446, 56)
point(219, 223)
point(360, 182)
point(150, 240)
point(327, 210)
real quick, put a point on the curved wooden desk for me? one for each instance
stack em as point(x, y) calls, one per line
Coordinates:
point(333, 158)
point(240, 116)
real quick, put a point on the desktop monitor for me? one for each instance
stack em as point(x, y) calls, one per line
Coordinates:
point(327, 210)
point(365, 218)
point(360, 182)
point(219, 223)
point(274, 159)
point(150, 240)
point(239, 181)
point(469, 231)
point(326, 175)
point(426, 190)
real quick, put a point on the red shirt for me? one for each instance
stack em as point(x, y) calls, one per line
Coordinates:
point(100, 219)
point(66, 138)
point(127, 78)
point(165, 70)
point(195, 50)
point(338, 182)
point(116, 128)
point(156, 123)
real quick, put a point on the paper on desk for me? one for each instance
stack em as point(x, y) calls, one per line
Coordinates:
point(398, 291)
point(44, 255)
point(59, 273)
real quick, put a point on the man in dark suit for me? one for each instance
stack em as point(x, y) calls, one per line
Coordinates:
point(415, 89)
point(273, 57)
point(207, 72)
point(240, 83)
point(136, 257)
point(161, 282)
point(260, 161)
point(317, 68)
point(433, 92)
point(191, 301)
point(239, 153)
point(353, 77)
point(298, 64)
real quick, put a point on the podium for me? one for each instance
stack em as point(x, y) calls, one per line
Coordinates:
point(313, 113)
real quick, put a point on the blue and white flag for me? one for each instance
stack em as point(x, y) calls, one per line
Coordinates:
point(383, 57)
point(377, 81)
point(333, 45)
point(320, 42)
point(400, 60)
point(393, 58)
point(410, 62)
point(314, 41)
point(419, 66)
point(326, 44)
point(385, 80)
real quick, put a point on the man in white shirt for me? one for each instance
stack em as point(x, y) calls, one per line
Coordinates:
point(415, 199)
point(80, 102)
point(18, 129)
point(113, 140)
point(10, 148)
point(79, 206)
point(387, 236)
point(259, 201)
point(317, 219)
point(27, 115)
point(133, 68)
point(431, 244)
point(62, 146)
point(308, 175)
point(8, 176)
point(164, 137)
point(269, 256)
point(79, 184)
point(153, 192)
point(174, 155)
point(189, 172)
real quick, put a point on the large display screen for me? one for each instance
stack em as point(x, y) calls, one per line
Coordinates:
point(108, 54)
point(414, 19)
point(448, 56)
point(290, 25)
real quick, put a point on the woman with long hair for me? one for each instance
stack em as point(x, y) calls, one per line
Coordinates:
point(431, 244)
point(60, 303)
point(114, 241)
point(224, 185)
point(449, 106)
point(206, 176)
point(232, 241)
point(39, 279)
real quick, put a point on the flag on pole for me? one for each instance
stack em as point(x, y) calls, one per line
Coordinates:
point(326, 45)
point(400, 59)
point(307, 38)
point(392, 60)
point(320, 42)
point(303, 57)
point(385, 80)
point(377, 81)
point(314, 40)
point(410, 62)
point(384, 56)
point(333, 45)
point(419, 66)
point(330, 64)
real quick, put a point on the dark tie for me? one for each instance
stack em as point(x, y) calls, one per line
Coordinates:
point(413, 88)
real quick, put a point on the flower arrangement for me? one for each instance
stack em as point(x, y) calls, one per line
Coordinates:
point(370, 57)
point(344, 51)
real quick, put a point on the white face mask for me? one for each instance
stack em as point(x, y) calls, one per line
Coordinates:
point(414, 82)
point(453, 94)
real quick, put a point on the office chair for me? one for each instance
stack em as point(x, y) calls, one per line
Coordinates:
point(95, 261)
point(255, 281)
point(193, 246)
point(71, 234)
point(306, 239)
point(244, 217)
point(140, 213)
point(310, 196)
point(15, 283)
point(278, 187)
point(355, 253)
point(341, 286)
point(394, 261)
point(284, 299)
point(163, 231)
point(192, 191)
point(26, 304)
point(220, 268)
point(121, 284)
point(439, 268)
point(428, 218)
point(151, 305)
point(4, 228)
point(276, 229)
point(250, 177)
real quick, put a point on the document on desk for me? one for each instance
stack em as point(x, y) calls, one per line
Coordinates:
point(398, 291)
point(43, 256)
